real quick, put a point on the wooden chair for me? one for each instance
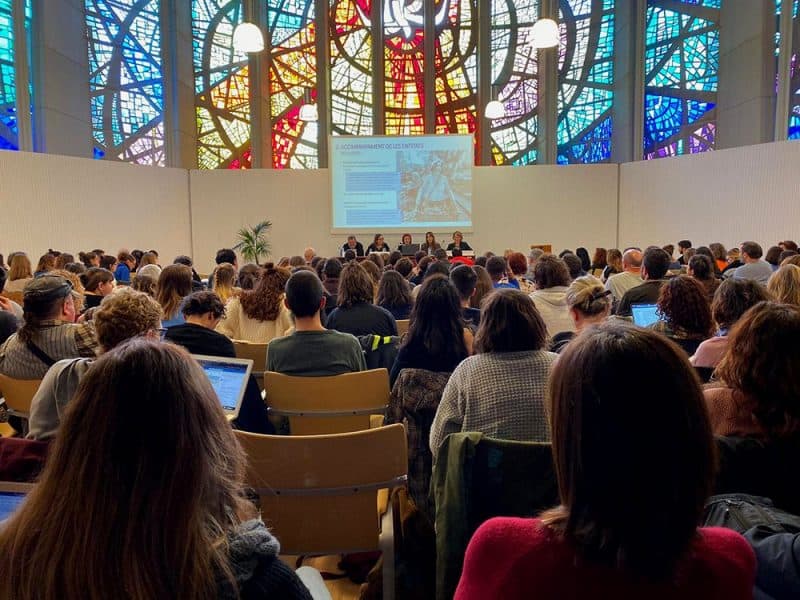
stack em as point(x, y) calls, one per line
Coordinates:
point(324, 405)
point(318, 493)
point(18, 394)
point(402, 327)
point(255, 352)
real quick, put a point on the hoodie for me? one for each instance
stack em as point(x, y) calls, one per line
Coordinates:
point(552, 306)
point(258, 571)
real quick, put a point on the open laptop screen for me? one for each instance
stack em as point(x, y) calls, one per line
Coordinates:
point(11, 496)
point(228, 378)
point(644, 314)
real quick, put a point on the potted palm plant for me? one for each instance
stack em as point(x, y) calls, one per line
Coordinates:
point(253, 243)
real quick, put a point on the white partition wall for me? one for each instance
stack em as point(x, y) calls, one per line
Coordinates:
point(512, 207)
point(728, 196)
point(72, 204)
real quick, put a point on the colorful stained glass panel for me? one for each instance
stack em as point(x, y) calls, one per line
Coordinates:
point(8, 82)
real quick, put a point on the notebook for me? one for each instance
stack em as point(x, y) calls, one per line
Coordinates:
point(11, 496)
point(644, 314)
point(229, 377)
point(409, 249)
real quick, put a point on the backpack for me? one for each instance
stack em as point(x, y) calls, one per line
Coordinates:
point(379, 351)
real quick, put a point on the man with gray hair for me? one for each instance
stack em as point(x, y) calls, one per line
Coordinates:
point(630, 277)
point(534, 255)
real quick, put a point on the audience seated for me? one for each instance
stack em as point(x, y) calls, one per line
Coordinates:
point(49, 332)
point(759, 375)
point(629, 276)
point(586, 263)
point(500, 390)
point(606, 540)
point(19, 272)
point(599, 262)
point(202, 312)
point(615, 266)
point(589, 303)
point(174, 284)
point(355, 312)
point(123, 315)
point(683, 246)
point(655, 264)
point(497, 267)
point(225, 282)
point(731, 300)
point(457, 258)
point(483, 287)
point(784, 285)
point(170, 488)
point(518, 266)
point(702, 269)
point(574, 265)
point(753, 267)
point(311, 350)
point(437, 339)
point(394, 294)
point(259, 315)
point(465, 280)
point(685, 313)
point(224, 255)
point(97, 284)
point(248, 276)
point(8, 321)
point(551, 278)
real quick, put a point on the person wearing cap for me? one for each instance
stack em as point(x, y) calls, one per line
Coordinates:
point(49, 332)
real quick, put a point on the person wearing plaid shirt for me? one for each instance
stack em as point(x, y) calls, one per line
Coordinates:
point(501, 390)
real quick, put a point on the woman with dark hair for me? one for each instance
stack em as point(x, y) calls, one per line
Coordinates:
point(586, 263)
point(89, 259)
point(458, 243)
point(705, 251)
point(174, 284)
point(419, 270)
point(172, 491)
point(355, 312)
point(126, 264)
point(732, 299)
point(394, 294)
point(500, 391)
point(394, 256)
point(685, 313)
point(374, 272)
point(702, 269)
point(483, 288)
point(202, 311)
point(248, 276)
point(719, 255)
point(773, 257)
point(613, 454)
point(47, 263)
point(259, 315)
point(551, 278)
point(430, 244)
point(437, 338)
point(599, 262)
point(97, 284)
point(405, 240)
point(378, 244)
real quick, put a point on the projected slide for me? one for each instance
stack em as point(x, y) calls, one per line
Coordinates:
point(419, 182)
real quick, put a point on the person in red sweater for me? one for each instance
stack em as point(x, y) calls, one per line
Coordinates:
point(634, 464)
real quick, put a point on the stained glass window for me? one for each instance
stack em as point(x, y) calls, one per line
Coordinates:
point(513, 71)
point(8, 90)
point(351, 48)
point(681, 63)
point(222, 86)
point(293, 70)
point(585, 91)
point(794, 83)
point(126, 80)
point(456, 64)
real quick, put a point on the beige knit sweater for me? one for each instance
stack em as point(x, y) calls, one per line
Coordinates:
point(238, 326)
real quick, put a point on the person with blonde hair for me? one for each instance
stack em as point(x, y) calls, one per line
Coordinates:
point(588, 303)
point(174, 284)
point(155, 511)
point(224, 282)
point(19, 272)
point(784, 285)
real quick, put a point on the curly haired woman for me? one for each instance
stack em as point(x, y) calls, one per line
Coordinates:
point(685, 313)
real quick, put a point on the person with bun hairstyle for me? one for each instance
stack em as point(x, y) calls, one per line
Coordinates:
point(634, 465)
point(89, 259)
point(259, 315)
point(589, 303)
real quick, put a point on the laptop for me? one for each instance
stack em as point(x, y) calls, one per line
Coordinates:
point(409, 249)
point(229, 377)
point(11, 496)
point(644, 314)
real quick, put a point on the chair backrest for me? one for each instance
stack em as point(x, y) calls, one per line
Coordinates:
point(415, 398)
point(319, 493)
point(21, 459)
point(18, 394)
point(255, 352)
point(333, 404)
point(477, 478)
point(13, 296)
point(402, 327)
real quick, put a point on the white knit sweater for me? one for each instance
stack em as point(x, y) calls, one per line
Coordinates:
point(238, 326)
